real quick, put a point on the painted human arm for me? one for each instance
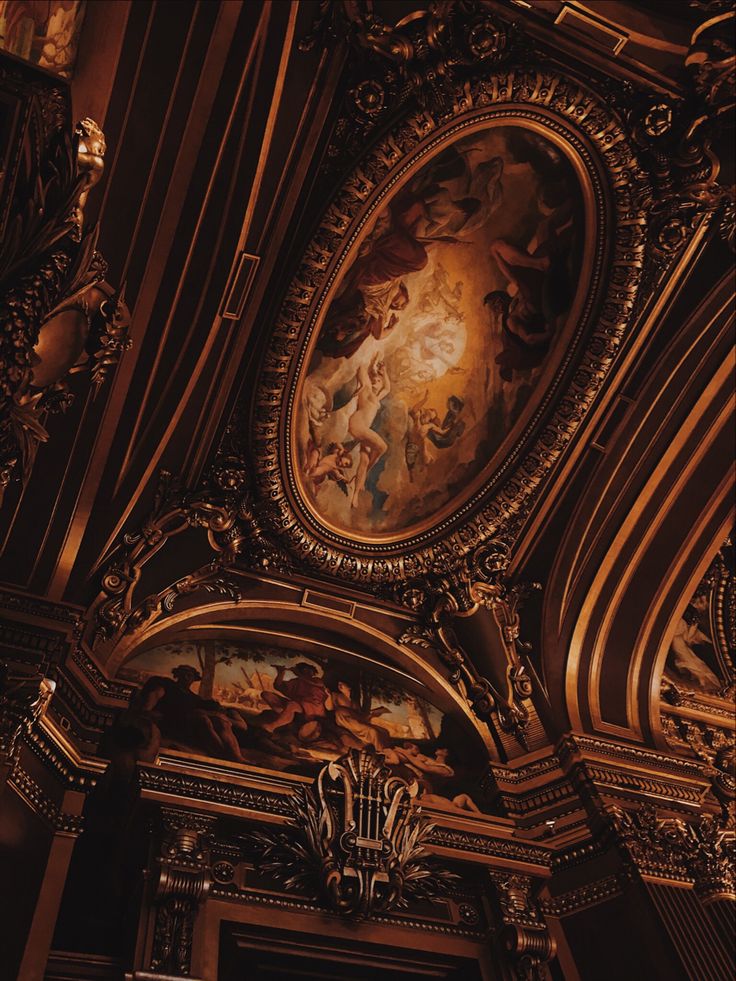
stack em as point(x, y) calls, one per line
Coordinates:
point(386, 383)
point(279, 679)
point(362, 376)
point(414, 410)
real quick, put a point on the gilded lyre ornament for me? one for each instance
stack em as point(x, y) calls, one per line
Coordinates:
point(357, 841)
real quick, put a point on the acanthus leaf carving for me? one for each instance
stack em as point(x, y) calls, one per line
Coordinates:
point(357, 841)
point(702, 851)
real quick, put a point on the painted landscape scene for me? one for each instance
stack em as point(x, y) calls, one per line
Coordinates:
point(284, 711)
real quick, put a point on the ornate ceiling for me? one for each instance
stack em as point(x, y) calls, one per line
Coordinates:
point(458, 327)
point(366, 380)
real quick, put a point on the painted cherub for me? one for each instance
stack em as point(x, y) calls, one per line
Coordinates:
point(332, 465)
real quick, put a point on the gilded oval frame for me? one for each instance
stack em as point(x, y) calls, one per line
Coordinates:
point(616, 192)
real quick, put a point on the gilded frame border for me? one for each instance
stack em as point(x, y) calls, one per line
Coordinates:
point(622, 195)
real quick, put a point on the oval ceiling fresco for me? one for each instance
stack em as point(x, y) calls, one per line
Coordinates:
point(445, 325)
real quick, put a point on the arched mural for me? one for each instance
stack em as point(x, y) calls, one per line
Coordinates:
point(451, 306)
point(46, 33)
point(282, 710)
point(702, 655)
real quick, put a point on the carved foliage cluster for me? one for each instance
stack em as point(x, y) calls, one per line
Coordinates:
point(702, 851)
point(712, 744)
point(48, 263)
point(356, 841)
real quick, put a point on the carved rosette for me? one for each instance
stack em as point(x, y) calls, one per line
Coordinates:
point(621, 192)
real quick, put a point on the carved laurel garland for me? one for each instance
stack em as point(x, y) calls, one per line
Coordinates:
point(622, 196)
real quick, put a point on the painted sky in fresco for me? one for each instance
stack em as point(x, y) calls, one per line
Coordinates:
point(453, 307)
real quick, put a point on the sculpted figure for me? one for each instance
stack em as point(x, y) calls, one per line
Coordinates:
point(90, 163)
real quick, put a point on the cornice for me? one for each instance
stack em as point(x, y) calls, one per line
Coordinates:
point(575, 747)
point(42, 805)
point(100, 683)
point(250, 896)
point(37, 607)
point(585, 896)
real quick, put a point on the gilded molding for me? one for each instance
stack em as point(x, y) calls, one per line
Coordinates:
point(100, 683)
point(669, 848)
point(41, 804)
point(283, 902)
point(186, 787)
point(573, 748)
point(585, 896)
point(575, 114)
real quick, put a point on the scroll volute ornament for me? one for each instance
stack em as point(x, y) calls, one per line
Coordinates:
point(524, 935)
point(474, 625)
point(183, 884)
point(489, 632)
